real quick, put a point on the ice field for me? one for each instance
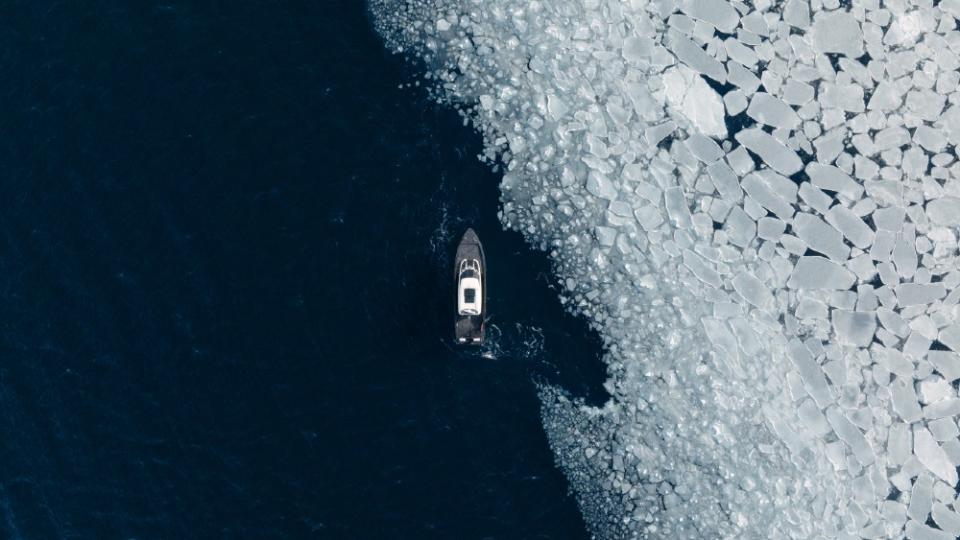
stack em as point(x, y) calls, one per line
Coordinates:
point(757, 205)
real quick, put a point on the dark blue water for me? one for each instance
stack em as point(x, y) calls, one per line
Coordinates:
point(225, 282)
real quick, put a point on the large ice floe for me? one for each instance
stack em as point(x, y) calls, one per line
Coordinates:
point(757, 205)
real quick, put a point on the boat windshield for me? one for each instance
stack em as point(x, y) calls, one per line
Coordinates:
point(470, 268)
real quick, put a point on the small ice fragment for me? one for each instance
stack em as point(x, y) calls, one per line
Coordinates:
point(811, 416)
point(690, 94)
point(832, 178)
point(819, 273)
point(697, 59)
point(719, 13)
point(725, 181)
point(851, 435)
point(932, 456)
point(918, 294)
point(740, 53)
point(649, 217)
point(929, 138)
point(740, 227)
point(764, 194)
point(886, 97)
point(837, 32)
point(933, 389)
point(769, 110)
point(600, 186)
point(944, 211)
point(820, 236)
point(703, 148)
point(905, 402)
point(947, 363)
point(813, 378)
point(851, 226)
point(918, 531)
point(921, 497)
point(770, 228)
point(942, 409)
point(701, 268)
point(797, 13)
point(950, 336)
point(854, 327)
point(677, 208)
point(899, 443)
point(905, 255)
point(946, 519)
point(753, 290)
point(780, 158)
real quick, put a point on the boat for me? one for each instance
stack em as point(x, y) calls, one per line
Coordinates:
point(470, 272)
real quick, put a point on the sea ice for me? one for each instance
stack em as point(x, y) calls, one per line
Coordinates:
point(778, 302)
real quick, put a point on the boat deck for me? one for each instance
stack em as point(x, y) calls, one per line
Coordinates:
point(469, 329)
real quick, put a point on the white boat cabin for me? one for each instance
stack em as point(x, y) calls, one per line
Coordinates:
point(469, 293)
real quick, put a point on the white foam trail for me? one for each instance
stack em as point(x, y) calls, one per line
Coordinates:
point(757, 207)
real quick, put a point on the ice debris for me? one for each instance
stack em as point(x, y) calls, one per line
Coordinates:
point(757, 206)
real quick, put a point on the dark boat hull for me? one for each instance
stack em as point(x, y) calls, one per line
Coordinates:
point(469, 329)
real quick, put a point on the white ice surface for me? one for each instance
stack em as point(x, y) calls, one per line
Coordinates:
point(757, 206)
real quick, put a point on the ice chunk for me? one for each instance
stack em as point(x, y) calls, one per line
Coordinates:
point(837, 32)
point(944, 211)
point(905, 402)
point(918, 531)
point(719, 13)
point(854, 327)
point(777, 156)
point(832, 178)
point(701, 268)
point(846, 97)
point(820, 236)
point(703, 148)
point(813, 378)
point(692, 96)
point(725, 181)
point(600, 186)
point(942, 409)
point(947, 363)
point(738, 52)
point(753, 290)
point(763, 193)
point(905, 255)
point(677, 208)
point(899, 443)
point(770, 228)
point(769, 110)
point(946, 519)
point(797, 13)
point(819, 273)
point(886, 97)
point(921, 497)
point(739, 227)
point(950, 336)
point(851, 226)
point(932, 456)
point(811, 416)
point(697, 59)
point(917, 294)
point(851, 435)
point(929, 138)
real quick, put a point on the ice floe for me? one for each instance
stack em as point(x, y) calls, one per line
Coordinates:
point(757, 206)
